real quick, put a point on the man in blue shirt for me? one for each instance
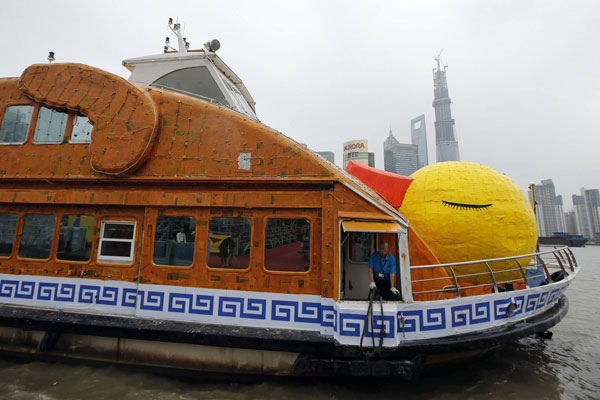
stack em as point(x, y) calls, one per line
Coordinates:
point(382, 273)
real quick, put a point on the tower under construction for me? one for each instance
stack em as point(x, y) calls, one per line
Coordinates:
point(445, 138)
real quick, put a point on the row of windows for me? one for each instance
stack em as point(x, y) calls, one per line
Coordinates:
point(50, 128)
point(229, 241)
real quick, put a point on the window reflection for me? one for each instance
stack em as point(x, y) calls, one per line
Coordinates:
point(229, 243)
point(82, 130)
point(174, 241)
point(36, 236)
point(50, 127)
point(15, 124)
point(76, 237)
point(287, 245)
point(8, 226)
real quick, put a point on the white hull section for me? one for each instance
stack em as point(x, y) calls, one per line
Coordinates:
point(343, 321)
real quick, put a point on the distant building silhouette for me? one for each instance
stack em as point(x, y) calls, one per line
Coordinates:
point(371, 162)
point(418, 136)
point(582, 223)
point(445, 138)
point(328, 155)
point(549, 209)
point(399, 158)
point(587, 211)
point(571, 222)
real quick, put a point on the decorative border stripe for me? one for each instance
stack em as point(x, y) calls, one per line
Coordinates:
point(344, 321)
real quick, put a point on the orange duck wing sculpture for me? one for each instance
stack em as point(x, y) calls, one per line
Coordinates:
point(124, 117)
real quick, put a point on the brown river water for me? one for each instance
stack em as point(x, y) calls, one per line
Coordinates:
point(564, 367)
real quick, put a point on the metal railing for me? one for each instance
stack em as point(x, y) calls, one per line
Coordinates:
point(498, 274)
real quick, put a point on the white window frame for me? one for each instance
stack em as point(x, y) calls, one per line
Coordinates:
point(117, 259)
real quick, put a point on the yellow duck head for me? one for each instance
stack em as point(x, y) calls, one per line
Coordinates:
point(467, 211)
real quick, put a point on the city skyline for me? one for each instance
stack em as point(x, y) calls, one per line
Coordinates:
point(524, 102)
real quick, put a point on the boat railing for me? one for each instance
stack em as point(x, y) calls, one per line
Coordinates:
point(494, 275)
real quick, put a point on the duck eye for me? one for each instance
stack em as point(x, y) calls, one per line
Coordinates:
point(465, 206)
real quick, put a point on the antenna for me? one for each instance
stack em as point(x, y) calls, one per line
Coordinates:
point(438, 59)
point(175, 29)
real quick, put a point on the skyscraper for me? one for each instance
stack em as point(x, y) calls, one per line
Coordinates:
point(418, 135)
point(445, 138)
point(591, 199)
point(581, 216)
point(549, 212)
point(328, 155)
point(399, 158)
point(357, 150)
point(571, 221)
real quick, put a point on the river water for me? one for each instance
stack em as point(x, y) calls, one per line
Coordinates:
point(565, 367)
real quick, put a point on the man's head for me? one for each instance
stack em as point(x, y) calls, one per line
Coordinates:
point(382, 248)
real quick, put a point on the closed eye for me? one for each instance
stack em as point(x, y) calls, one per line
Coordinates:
point(465, 206)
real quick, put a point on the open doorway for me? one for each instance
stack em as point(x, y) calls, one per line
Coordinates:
point(358, 242)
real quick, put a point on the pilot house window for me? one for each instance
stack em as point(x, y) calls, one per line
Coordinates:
point(196, 80)
point(287, 245)
point(174, 241)
point(8, 226)
point(50, 127)
point(229, 243)
point(15, 124)
point(116, 242)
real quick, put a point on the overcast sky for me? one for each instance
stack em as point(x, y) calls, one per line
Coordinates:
point(523, 75)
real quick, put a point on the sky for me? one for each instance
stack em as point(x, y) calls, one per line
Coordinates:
point(523, 76)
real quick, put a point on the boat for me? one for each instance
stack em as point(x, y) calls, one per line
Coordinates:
point(563, 239)
point(156, 222)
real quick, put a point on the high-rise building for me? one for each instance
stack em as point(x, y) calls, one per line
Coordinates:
point(581, 216)
point(399, 158)
point(445, 138)
point(371, 157)
point(592, 207)
point(357, 150)
point(571, 221)
point(328, 155)
point(549, 211)
point(418, 136)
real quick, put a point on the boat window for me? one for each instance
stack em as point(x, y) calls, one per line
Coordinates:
point(82, 130)
point(287, 245)
point(229, 243)
point(360, 248)
point(8, 227)
point(76, 237)
point(197, 80)
point(174, 241)
point(36, 236)
point(50, 127)
point(15, 124)
point(116, 242)
point(238, 98)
